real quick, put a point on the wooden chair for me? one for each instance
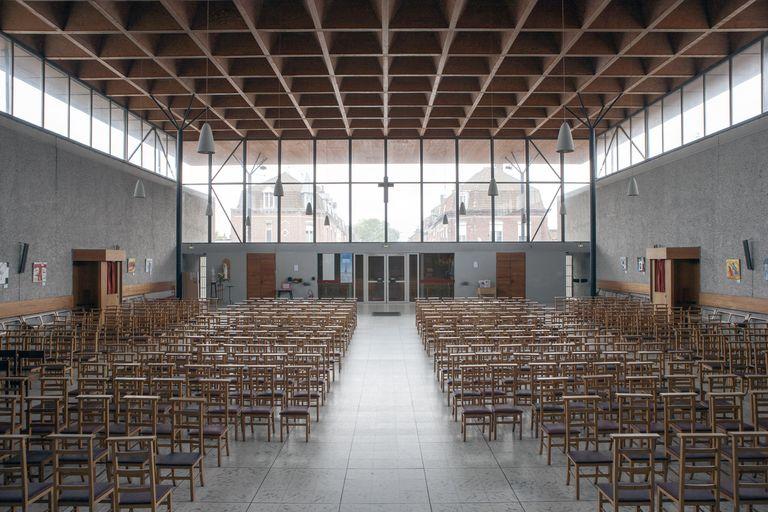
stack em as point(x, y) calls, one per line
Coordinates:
point(188, 417)
point(147, 493)
point(748, 482)
point(698, 483)
point(581, 428)
point(475, 379)
point(295, 414)
point(17, 490)
point(257, 406)
point(75, 478)
point(632, 473)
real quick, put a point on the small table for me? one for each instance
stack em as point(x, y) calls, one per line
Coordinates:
point(281, 291)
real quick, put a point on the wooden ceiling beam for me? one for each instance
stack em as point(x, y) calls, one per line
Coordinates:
point(317, 19)
point(249, 11)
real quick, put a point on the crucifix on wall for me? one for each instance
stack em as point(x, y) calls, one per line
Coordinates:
point(386, 185)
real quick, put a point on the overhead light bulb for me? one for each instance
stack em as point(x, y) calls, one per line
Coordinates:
point(565, 139)
point(138, 190)
point(632, 190)
point(205, 143)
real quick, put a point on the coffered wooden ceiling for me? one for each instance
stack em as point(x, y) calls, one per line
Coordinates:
point(375, 68)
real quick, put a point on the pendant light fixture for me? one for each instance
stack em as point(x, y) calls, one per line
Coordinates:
point(138, 190)
point(445, 219)
point(248, 220)
point(279, 192)
point(308, 211)
point(564, 136)
point(205, 144)
point(632, 190)
point(327, 221)
point(209, 208)
point(462, 209)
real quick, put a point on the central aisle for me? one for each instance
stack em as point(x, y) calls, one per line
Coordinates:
point(386, 442)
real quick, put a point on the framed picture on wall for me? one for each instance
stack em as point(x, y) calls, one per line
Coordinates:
point(733, 269)
point(131, 267)
point(641, 264)
point(623, 263)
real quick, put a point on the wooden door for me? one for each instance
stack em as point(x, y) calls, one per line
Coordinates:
point(260, 275)
point(510, 274)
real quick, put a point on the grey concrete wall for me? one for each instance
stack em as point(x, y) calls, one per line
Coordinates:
point(57, 196)
point(545, 262)
point(711, 193)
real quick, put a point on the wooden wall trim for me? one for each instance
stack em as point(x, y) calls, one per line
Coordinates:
point(623, 287)
point(737, 302)
point(132, 290)
point(33, 306)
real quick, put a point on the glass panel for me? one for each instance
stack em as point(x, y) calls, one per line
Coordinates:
point(332, 161)
point(403, 163)
point(476, 223)
point(439, 160)
point(261, 166)
point(510, 213)
point(745, 79)
point(693, 110)
point(545, 212)
point(333, 201)
point(80, 112)
point(171, 149)
point(227, 161)
point(638, 137)
point(436, 271)
point(611, 157)
point(100, 123)
point(601, 149)
point(27, 86)
point(117, 139)
point(403, 213)
point(475, 160)
point(509, 160)
point(413, 277)
point(544, 161)
point(262, 207)
point(297, 161)
point(396, 278)
point(375, 278)
point(148, 147)
point(717, 99)
point(624, 147)
point(439, 201)
point(163, 164)
point(673, 127)
point(655, 138)
point(134, 147)
point(577, 206)
point(367, 213)
point(227, 213)
point(5, 75)
point(56, 101)
point(367, 161)
point(293, 215)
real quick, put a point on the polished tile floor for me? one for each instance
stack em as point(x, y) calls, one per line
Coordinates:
point(386, 442)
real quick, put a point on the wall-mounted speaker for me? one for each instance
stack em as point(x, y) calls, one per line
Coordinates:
point(23, 250)
point(748, 255)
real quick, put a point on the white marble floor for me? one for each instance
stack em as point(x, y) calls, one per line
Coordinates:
point(386, 443)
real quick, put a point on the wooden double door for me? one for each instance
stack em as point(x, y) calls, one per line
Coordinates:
point(510, 274)
point(260, 275)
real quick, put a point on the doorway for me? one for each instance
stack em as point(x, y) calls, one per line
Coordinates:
point(387, 277)
point(260, 275)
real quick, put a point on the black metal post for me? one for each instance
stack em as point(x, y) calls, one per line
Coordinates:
point(592, 212)
point(179, 206)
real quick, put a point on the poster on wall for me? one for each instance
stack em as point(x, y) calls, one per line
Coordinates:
point(131, 267)
point(40, 272)
point(641, 264)
point(148, 265)
point(765, 269)
point(623, 263)
point(4, 274)
point(733, 269)
point(345, 266)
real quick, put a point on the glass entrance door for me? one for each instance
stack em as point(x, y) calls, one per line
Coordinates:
point(396, 278)
point(376, 278)
point(388, 277)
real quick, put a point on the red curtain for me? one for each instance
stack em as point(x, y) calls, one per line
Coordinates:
point(111, 277)
point(658, 275)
